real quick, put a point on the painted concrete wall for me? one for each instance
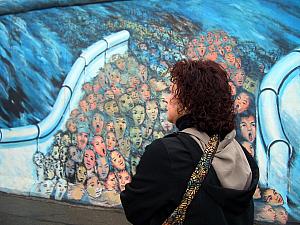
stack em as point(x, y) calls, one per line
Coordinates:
point(82, 95)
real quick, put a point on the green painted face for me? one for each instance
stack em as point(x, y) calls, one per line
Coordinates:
point(136, 136)
point(138, 114)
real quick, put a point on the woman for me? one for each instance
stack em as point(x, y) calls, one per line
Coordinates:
point(200, 105)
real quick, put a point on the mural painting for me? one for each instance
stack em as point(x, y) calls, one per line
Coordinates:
point(121, 105)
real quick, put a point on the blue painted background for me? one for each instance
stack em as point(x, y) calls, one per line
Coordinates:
point(38, 48)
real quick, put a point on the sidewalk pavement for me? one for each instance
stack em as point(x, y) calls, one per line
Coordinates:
point(22, 210)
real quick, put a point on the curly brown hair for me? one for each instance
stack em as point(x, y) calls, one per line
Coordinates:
point(204, 93)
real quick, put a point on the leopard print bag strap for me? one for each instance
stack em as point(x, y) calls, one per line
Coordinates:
point(194, 184)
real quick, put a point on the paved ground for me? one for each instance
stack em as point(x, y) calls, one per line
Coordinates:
point(20, 210)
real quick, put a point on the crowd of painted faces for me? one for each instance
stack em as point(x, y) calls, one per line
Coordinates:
point(124, 108)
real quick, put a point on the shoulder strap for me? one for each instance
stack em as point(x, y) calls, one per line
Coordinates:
point(194, 184)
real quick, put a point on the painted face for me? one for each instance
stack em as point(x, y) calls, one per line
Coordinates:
point(136, 136)
point(157, 134)
point(228, 48)
point(38, 159)
point(92, 106)
point(97, 123)
point(157, 85)
point(135, 97)
point(100, 98)
point(111, 107)
point(195, 41)
point(133, 81)
point(124, 146)
point(145, 92)
point(117, 90)
point(81, 174)
point(96, 87)
point(143, 46)
point(191, 54)
point(143, 73)
point(101, 78)
point(212, 56)
point(239, 78)
point(94, 188)
point(109, 94)
point(87, 87)
point(71, 126)
point(120, 126)
point(66, 140)
point(201, 49)
point(110, 141)
point(272, 197)
point(70, 168)
point(117, 160)
point(46, 188)
point(202, 38)
point(102, 167)
point(111, 182)
point(248, 128)
point(225, 38)
point(115, 77)
point(55, 152)
point(151, 110)
point(134, 162)
point(58, 137)
point(110, 126)
point(84, 106)
point(74, 113)
point(99, 145)
point(123, 179)
point(63, 154)
point(238, 63)
point(82, 140)
point(281, 215)
point(91, 98)
point(76, 191)
point(221, 50)
point(125, 103)
point(82, 118)
point(230, 58)
point(248, 146)
point(241, 103)
point(138, 114)
point(120, 63)
point(75, 154)
point(163, 100)
point(60, 189)
point(268, 214)
point(250, 85)
point(89, 159)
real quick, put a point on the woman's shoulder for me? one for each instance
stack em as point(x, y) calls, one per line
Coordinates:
point(175, 145)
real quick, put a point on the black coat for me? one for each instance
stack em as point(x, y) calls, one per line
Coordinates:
point(161, 180)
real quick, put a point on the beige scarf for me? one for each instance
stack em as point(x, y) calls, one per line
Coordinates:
point(230, 162)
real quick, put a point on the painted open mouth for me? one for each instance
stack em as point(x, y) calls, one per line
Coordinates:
point(250, 135)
